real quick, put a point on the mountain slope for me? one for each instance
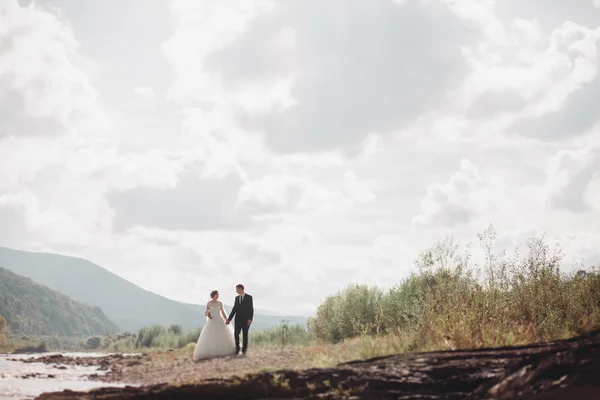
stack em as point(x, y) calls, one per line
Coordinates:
point(33, 309)
point(128, 305)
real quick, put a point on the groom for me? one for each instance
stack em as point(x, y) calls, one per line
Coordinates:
point(243, 309)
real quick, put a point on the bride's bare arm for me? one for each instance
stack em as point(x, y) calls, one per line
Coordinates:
point(208, 310)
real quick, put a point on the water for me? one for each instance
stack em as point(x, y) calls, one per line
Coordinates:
point(13, 386)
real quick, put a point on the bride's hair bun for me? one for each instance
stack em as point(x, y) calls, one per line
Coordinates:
point(213, 293)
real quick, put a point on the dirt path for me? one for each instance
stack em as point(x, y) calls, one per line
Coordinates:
point(177, 368)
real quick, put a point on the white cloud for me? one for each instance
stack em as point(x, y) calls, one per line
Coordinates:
point(570, 174)
point(293, 150)
point(206, 27)
point(43, 87)
point(299, 191)
point(145, 93)
point(480, 13)
point(517, 67)
point(465, 196)
point(523, 80)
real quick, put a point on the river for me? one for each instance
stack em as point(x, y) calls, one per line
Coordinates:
point(15, 385)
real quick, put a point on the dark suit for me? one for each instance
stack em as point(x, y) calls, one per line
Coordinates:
point(243, 312)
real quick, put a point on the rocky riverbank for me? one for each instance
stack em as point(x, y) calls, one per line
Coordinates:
point(175, 366)
point(553, 370)
point(111, 362)
point(22, 379)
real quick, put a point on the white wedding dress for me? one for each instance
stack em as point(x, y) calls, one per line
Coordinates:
point(216, 338)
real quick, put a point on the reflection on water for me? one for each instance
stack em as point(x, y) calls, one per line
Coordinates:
point(13, 385)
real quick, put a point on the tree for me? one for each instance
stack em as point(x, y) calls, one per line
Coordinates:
point(2, 331)
point(176, 329)
point(93, 342)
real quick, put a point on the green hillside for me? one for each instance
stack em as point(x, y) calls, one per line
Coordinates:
point(33, 309)
point(128, 305)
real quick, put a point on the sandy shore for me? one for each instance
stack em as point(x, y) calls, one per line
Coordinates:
point(176, 367)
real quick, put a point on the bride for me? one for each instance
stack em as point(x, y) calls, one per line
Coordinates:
point(216, 338)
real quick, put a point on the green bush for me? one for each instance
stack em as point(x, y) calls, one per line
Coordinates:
point(147, 336)
point(93, 343)
point(504, 301)
point(352, 312)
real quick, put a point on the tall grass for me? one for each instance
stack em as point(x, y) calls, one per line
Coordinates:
point(283, 335)
point(160, 337)
point(452, 301)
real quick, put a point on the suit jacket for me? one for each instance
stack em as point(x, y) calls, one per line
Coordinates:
point(244, 311)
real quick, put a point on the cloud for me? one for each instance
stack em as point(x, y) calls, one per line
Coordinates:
point(577, 115)
point(551, 13)
point(329, 72)
point(570, 173)
point(491, 103)
point(390, 248)
point(566, 107)
point(193, 204)
point(145, 93)
point(385, 63)
point(293, 146)
point(457, 202)
point(524, 81)
point(291, 191)
point(12, 216)
point(43, 87)
point(581, 249)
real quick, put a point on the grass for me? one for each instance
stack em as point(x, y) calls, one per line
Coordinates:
point(325, 355)
point(449, 301)
point(269, 368)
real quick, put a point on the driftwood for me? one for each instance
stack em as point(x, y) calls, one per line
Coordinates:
point(567, 369)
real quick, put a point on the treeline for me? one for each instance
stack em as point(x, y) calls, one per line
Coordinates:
point(152, 337)
point(175, 337)
point(449, 300)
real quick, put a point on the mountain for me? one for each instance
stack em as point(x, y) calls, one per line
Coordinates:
point(33, 309)
point(128, 305)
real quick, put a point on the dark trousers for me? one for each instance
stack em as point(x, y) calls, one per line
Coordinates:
point(241, 326)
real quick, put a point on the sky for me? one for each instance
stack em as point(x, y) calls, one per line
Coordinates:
point(296, 147)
